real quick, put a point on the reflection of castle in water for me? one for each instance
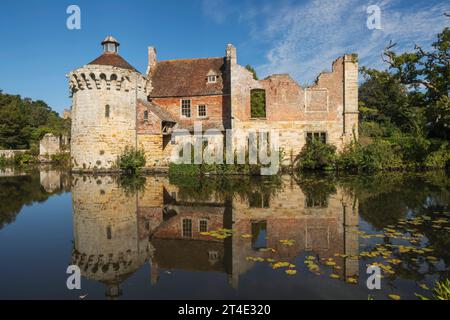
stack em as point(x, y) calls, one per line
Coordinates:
point(116, 232)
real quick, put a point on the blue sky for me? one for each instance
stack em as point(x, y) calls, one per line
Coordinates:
point(297, 37)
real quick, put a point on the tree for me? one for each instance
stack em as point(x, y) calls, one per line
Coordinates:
point(427, 73)
point(23, 122)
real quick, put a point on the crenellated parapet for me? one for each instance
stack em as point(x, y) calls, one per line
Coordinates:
point(94, 77)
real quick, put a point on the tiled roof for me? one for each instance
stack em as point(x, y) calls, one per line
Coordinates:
point(183, 78)
point(112, 59)
point(158, 111)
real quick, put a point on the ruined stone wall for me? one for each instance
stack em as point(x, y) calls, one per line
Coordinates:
point(9, 154)
point(294, 111)
point(49, 145)
point(97, 139)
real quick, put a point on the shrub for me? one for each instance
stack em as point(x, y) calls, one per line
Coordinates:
point(317, 155)
point(439, 158)
point(60, 158)
point(131, 160)
point(379, 155)
point(21, 159)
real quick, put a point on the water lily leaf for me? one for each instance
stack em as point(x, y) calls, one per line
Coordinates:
point(291, 272)
point(424, 286)
point(352, 280)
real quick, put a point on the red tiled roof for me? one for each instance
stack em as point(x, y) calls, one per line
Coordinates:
point(112, 59)
point(183, 78)
point(158, 111)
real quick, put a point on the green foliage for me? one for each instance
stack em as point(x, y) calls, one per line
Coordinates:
point(26, 158)
point(131, 160)
point(23, 122)
point(441, 291)
point(439, 158)
point(184, 169)
point(60, 158)
point(379, 155)
point(258, 103)
point(131, 183)
point(252, 70)
point(317, 155)
point(426, 74)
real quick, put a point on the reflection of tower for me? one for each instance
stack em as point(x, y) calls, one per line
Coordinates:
point(107, 246)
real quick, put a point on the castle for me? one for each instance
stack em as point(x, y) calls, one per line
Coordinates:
point(117, 233)
point(115, 106)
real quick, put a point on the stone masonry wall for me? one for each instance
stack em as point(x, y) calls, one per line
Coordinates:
point(98, 139)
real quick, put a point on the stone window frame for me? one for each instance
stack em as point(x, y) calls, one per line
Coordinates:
point(198, 111)
point(145, 115)
point(188, 233)
point(306, 100)
point(313, 132)
point(200, 225)
point(182, 105)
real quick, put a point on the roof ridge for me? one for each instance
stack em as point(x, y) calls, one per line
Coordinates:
point(190, 59)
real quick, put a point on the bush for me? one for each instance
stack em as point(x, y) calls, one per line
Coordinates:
point(60, 158)
point(21, 159)
point(317, 155)
point(131, 160)
point(379, 155)
point(439, 158)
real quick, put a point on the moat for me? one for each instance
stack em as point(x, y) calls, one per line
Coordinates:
point(305, 236)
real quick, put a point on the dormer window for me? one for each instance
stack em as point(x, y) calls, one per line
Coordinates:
point(211, 76)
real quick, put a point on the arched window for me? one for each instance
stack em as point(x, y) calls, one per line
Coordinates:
point(107, 111)
point(258, 103)
point(145, 115)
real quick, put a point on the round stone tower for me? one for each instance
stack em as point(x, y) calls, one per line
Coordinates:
point(104, 98)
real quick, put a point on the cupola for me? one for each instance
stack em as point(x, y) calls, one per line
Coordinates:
point(110, 45)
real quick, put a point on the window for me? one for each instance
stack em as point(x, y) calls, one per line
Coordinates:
point(202, 111)
point(186, 108)
point(203, 226)
point(145, 115)
point(108, 233)
point(259, 235)
point(107, 111)
point(320, 136)
point(259, 200)
point(187, 228)
point(212, 79)
point(258, 103)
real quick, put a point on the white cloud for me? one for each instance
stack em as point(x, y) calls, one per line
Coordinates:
point(303, 39)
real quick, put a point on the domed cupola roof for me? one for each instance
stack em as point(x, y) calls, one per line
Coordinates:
point(110, 56)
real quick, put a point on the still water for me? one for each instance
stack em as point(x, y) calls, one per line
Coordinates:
point(159, 237)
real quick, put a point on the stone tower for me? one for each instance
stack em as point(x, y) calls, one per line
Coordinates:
point(104, 97)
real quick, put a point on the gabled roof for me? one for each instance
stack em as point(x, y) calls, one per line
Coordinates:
point(112, 59)
point(182, 78)
point(158, 111)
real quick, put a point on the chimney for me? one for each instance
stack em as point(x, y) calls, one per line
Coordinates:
point(231, 53)
point(151, 59)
